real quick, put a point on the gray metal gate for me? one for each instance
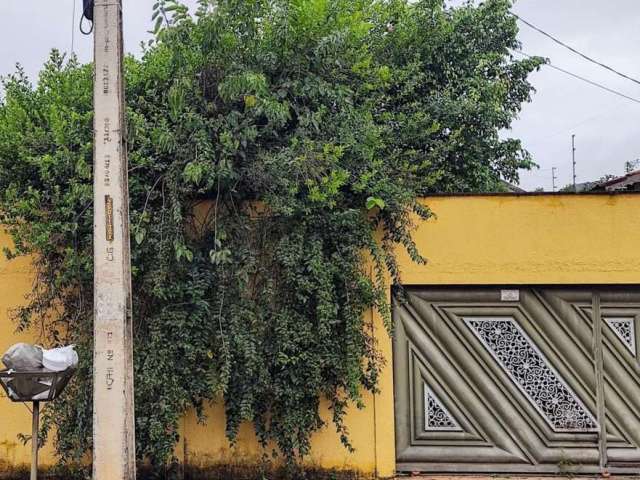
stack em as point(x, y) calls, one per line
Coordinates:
point(489, 379)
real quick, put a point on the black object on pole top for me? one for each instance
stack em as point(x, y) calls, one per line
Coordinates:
point(87, 10)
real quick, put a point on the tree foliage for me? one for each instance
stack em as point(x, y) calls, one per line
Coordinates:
point(276, 149)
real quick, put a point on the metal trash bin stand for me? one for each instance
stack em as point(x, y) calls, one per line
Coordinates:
point(37, 385)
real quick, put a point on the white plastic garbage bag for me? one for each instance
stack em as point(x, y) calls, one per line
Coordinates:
point(59, 359)
point(22, 356)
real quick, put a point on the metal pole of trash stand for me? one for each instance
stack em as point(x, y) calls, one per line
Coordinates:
point(35, 386)
point(35, 426)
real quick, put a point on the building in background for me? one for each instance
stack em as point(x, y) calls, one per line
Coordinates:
point(629, 182)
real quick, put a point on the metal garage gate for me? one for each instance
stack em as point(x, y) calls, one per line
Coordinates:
point(517, 380)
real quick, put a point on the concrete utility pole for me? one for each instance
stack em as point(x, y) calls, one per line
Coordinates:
point(113, 413)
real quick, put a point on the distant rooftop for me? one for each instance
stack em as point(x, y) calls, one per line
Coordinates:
point(628, 182)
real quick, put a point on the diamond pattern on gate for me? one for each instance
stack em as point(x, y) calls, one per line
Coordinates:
point(530, 370)
point(436, 416)
point(625, 330)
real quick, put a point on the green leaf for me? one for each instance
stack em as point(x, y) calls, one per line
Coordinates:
point(193, 172)
point(157, 25)
point(384, 72)
point(373, 202)
point(139, 236)
point(250, 101)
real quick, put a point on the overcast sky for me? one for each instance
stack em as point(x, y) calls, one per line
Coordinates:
point(607, 127)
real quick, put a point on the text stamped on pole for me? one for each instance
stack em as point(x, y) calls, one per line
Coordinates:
point(108, 210)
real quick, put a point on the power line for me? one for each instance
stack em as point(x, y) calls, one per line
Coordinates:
point(586, 57)
point(73, 26)
point(575, 125)
point(591, 82)
point(595, 84)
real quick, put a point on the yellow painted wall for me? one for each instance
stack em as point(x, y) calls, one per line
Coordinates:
point(552, 239)
point(501, 239)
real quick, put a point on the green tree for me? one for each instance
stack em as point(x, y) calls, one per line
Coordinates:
point(269, 143)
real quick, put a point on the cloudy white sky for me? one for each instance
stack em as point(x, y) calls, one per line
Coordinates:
point(607, 127)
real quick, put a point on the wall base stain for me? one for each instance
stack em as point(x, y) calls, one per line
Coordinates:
point(218, 471)
point(9, 471)
point(266, 472)
point(250, 471)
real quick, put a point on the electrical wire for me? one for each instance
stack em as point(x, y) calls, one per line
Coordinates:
point(591, 82)
point(577, 52)
point(73, 26)
point(575, 125)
